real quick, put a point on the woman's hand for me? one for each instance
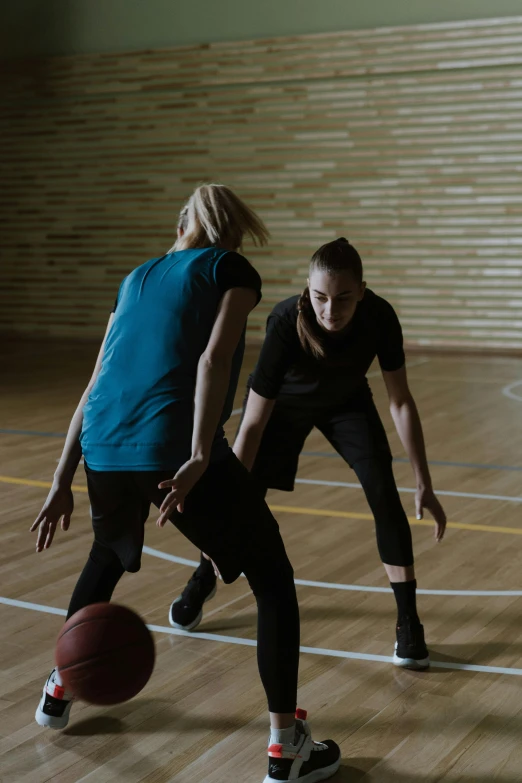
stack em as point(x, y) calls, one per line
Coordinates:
point(59, 505)
point(184, 480)
point(426, 498)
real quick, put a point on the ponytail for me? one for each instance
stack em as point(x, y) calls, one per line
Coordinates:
point(308, 337)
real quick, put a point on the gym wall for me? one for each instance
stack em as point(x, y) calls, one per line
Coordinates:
point(406, 140)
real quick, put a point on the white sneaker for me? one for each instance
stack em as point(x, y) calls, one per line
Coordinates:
point(305, 761)
point(55, 704)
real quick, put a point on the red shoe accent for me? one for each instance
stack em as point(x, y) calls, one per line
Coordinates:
point(57, 691)
point(300, 714)
point(275, 751)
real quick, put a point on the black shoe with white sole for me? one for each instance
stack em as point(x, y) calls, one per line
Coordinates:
point(305, 761)
point(55, 704)
point(410, 648)
point(187, 610)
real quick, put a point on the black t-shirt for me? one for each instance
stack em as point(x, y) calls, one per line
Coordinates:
point(286, 368)
point(232, 271)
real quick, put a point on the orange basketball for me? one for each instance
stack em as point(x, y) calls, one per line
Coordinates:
point(105, 654)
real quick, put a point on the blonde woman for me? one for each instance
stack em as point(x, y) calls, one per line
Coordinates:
point(150, 427)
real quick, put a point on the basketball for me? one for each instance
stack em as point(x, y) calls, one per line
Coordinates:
point(105, 654)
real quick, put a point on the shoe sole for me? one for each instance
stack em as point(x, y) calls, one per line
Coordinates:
point(194, 623)
point(410, 663)
point(312, 777)
point(51, 721)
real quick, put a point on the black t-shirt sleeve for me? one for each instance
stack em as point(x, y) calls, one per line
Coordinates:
point(277, 355)
point(115, 305)
point(234, 271)
point(390, 350)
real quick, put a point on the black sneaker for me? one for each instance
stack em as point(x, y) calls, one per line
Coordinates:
point(187, 610)
point(55, 705)
point(410, 648)
point(305, 761)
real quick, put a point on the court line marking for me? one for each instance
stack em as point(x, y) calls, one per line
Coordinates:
point(320, 483)
point(34, 607)
point(332, 513)
point(340, 586)
point(443, 463)
point(320, 512)
point(507, 391)
point(447, 492)
point(214, 637)
point(412, 520)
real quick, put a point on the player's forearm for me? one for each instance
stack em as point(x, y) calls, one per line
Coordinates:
point(213, 378)
point(247, 445)
point(257, 414)
point(409, 429)
point(72, 450)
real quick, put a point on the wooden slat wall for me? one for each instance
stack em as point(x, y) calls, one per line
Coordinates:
point(406, 140)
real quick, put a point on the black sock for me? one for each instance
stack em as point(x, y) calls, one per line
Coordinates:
point(405, 595)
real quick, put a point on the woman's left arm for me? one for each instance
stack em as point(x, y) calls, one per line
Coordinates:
point(408, 425)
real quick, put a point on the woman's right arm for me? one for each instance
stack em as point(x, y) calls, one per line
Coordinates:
point(60, 503)
point(257, 413)
point(212, 382)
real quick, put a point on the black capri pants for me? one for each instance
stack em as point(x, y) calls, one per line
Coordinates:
point(356, 432)
point(225, 515)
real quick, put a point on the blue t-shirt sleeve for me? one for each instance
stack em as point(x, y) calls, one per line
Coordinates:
point(234, 271)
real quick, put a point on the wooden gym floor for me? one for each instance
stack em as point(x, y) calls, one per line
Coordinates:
point(202, 717)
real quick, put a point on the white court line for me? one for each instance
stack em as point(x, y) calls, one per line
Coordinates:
point(353, 588)
point(173, 558)
point(507, 391)
point(34, 607)
point(215, 637)
point(410, 490)
point(476, 495)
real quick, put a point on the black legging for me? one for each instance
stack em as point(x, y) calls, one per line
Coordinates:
point(356, 432)
point(391, 523)
point(277, 617)
point(264, 563)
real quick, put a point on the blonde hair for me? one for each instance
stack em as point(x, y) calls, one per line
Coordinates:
point(214, 215)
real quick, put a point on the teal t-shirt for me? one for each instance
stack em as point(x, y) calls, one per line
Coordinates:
point(139, 414)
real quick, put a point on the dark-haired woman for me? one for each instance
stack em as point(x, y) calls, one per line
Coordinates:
point(312, 372)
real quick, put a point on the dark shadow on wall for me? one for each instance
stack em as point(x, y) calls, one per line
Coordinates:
point(29, 30)
point(32, 28)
